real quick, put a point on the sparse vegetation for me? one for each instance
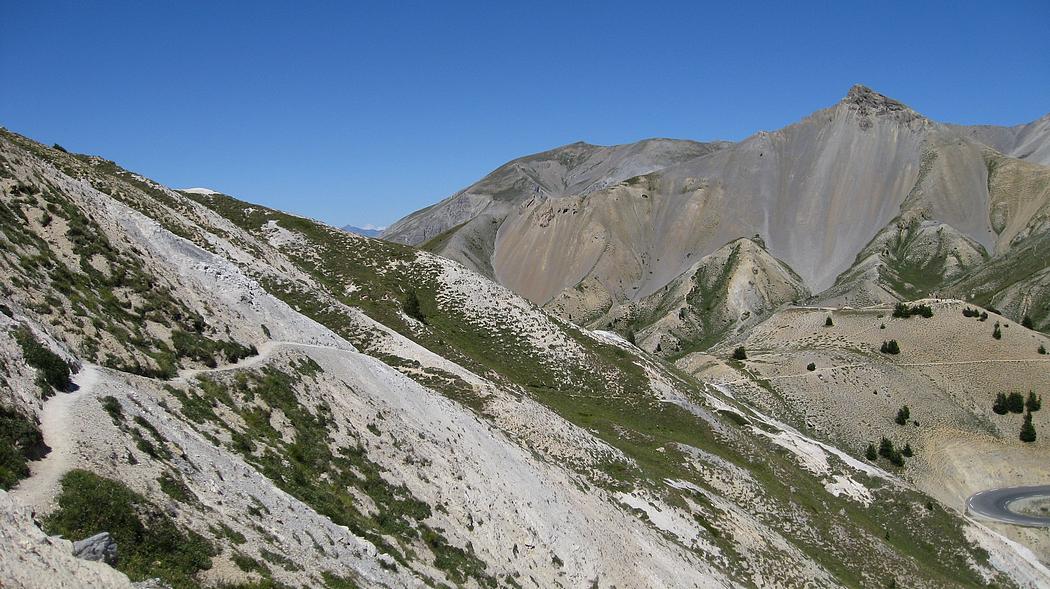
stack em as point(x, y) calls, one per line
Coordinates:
point(412, 307)
point(903, 311)
point(887, 451)
point(150, 543)
point(54, 371)
point(20, 442)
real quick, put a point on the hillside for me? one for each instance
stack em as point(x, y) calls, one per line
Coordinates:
point(867, 201)
point(244, 397)
point(948, 372)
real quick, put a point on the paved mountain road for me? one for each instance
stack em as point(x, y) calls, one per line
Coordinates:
point(995, 504)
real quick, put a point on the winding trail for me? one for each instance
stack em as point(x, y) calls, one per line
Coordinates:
point(42, 485)
point(44, 474)
point(863, 364)
point(994, 504)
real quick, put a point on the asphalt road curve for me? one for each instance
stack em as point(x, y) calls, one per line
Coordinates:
point(995, 504)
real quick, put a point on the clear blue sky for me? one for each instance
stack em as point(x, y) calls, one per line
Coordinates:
point(360, 112)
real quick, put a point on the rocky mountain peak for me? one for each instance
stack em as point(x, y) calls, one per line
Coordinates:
point(871, 102)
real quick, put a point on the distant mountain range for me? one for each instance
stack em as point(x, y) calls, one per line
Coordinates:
point(369, 231)
point(864, 202)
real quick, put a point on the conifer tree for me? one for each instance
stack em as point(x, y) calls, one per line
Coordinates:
point(1027, 429)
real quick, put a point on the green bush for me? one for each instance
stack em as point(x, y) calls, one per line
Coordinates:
point(740, 353)
point(53, 369)
point(828, 322)
point(997, 333)
point(149, 542)
point(890, 347)
point(870, 453)
point(413, 309)
point(1026, 322)
point(811, 366)
point(1015, 402)
point(20, 442)
point(1000, 405)
point(1042, 350)
point(906, 451)
point(903, 311)
point(902, 415)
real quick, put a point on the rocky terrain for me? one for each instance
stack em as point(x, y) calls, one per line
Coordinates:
point(867, 201)
point(241, 397)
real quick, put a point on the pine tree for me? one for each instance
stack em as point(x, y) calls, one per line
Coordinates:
point(1033, 403)
point(828, 322)
point(630, 336)
point(1027, 429)
point(811, 367)
point(996, 333)
point(1042, 350)
point(999, 406)
point(902, 415)
point(907, 451)
point(886, 449)
point(870, 453)
point(890, 347)
point(412, 307)
point(740, 353)
point(1026, 322)
point(1015, 402)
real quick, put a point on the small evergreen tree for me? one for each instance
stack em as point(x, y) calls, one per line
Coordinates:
point(1000, 406)
point(870, 453)
point(886, 447)
point(740, 353)
point(890, 347)
point(811, 367)
point(984, 316)
point(1015, 402)
point(907, 451)
point(902, 415)
point(412, 307)
point(1033, 403)
point(997, 333)
point(630, 336)
point(1042, 349)
point(828, 322)
point(1026, 322)
point(901, 311)
point(1027, 429)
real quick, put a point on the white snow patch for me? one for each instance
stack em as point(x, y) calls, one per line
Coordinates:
point(199, 190)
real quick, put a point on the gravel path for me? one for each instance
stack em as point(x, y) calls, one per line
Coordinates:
point(42, 484)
